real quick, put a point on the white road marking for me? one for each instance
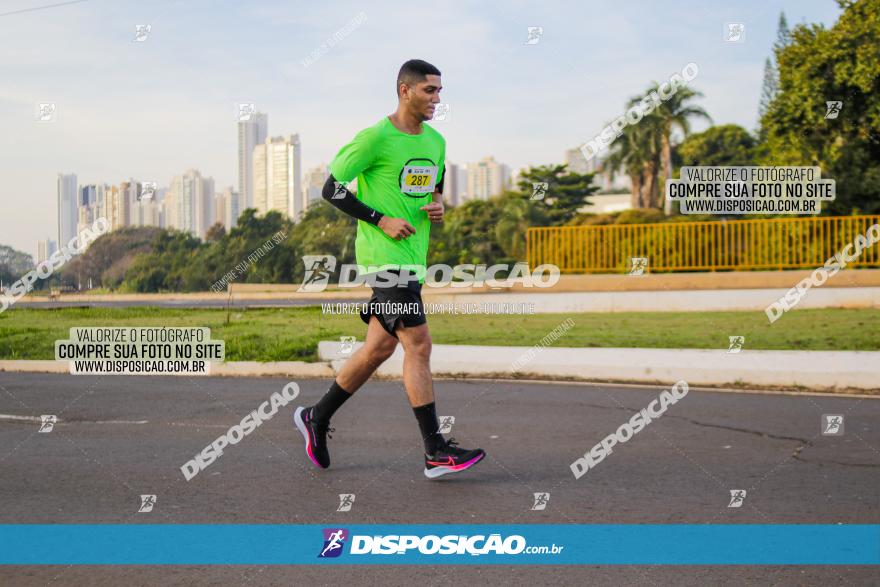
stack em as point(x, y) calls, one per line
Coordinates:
point(60, 421)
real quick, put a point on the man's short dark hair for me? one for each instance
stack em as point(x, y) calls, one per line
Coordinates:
point(413, 72)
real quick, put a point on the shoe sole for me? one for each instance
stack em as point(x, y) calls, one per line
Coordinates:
point(301, 426)
point(444, 470)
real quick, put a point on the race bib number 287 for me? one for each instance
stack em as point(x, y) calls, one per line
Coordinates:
point(418, 179)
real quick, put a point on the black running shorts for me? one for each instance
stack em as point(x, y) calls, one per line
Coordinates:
point(394, 305)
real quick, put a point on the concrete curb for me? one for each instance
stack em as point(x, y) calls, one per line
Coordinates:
point(822, 370)
point(34, 366)
point(230, 369)
point(810, 369)
point(286, 368)
point(728, 300)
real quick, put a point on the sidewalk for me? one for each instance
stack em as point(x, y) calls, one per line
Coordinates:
point(858, 371)
point(811, 369)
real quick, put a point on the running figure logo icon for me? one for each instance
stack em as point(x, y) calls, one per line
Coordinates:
point(446, 423)
point(245, 111)
point(833, 108)
point(535, 33)
point(539, 190)
point(346, 344)
point(541, 500)
point(141, 32)
point(737, 496)
point(46, 112)
point(338, 191)
point(47, 423)
point(346, 500)
point(441, 111)
point(736, 344)
point(832, 424)
point(637, 265)
point(735, 32)
point(147, 503)
point(148, 190)
point(318, 271)
point(334, 541)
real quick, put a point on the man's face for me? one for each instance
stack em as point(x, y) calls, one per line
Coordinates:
point(421, 98)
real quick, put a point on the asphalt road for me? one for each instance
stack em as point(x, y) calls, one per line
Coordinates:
point(119, 437)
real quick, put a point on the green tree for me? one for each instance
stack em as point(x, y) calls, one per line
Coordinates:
point(675, 114)
point(783, 34)
point(567, 192)
point(251, 244)
point(638, 152)
point(644, 150)
point(518, 212)
point(107, 260)
point(215, 233)
point(728, 144)
point(821, 65)
point(468, 234)
point(168, 267)
point(324, 230)
point(13, 265)
point(770, 87)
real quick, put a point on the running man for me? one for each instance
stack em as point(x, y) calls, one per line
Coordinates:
point(399, 166)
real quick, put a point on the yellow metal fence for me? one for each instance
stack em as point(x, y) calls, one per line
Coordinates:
point(779, 243)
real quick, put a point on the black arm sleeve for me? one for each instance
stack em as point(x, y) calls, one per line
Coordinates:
point(348, 202)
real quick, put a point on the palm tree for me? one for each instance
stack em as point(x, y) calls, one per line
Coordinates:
point(674, 113)
point(517, 214)
point(638, 152)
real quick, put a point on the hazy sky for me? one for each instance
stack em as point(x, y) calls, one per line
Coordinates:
point(152, 109)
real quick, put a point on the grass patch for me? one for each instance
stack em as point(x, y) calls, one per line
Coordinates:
point(287, 334)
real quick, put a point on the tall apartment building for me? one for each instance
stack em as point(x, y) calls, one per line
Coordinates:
point(85, 217)
point(576, 162)
point(68, 213)
point(278, 176)
point(45, 248)
point(145, 212)
point(486, 178)
point(251, 133)
point(225, 208)
point(129, 194)
point(189, 203)
point(452, 187)
point(313, 184)
point(92, 205)
point(113, 208)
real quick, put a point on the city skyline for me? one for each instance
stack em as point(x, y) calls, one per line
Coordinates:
point(152, 123)
point(192, 203)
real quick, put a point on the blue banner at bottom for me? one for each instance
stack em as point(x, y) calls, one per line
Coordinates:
point(507, 544)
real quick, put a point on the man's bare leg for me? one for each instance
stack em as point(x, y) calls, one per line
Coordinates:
point(378, 346)
point(441, 457)
point(314, 421)
point(376, 349)
point(416, 341)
